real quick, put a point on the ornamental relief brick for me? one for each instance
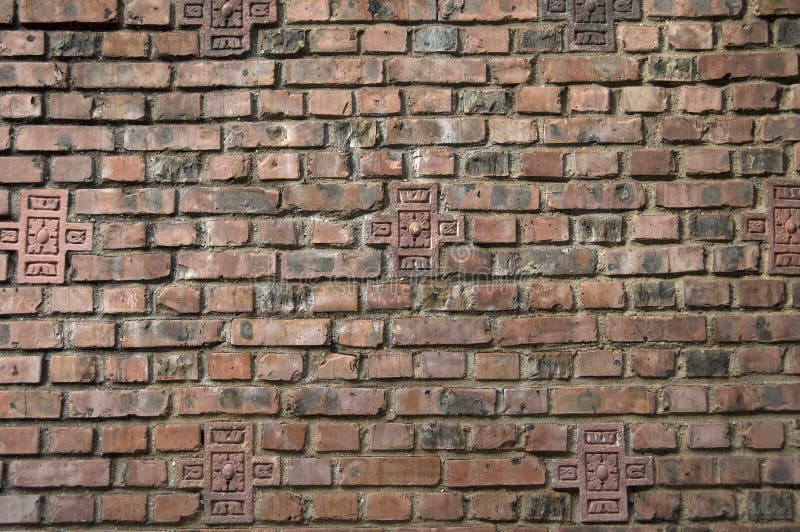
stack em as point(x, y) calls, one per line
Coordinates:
point(227, 473)
point(226, 24)
point(779, 227)
point(591, 23)
point(42, 237)
point(414, 228)
point(602, 473)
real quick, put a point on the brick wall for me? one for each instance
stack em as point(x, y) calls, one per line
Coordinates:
point(399, 264)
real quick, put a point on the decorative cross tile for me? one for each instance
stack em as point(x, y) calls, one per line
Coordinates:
point(590, 23)
point(226, 23)
point(414, 228)
point(42, 236)
point(602, 473)
point(779, 227)
point(227, 473)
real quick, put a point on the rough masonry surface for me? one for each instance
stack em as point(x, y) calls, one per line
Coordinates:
point(400, 265)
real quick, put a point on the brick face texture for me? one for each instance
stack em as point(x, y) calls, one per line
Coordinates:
point(466, 266)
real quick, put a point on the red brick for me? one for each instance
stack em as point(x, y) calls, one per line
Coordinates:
point(147, 12)
point(34, 75)
point(117, 403)
point(339, 71)
point(335, 506)
point(442, 365)
point(284, 436)
point(388, 506)
point(389, 471)
point(174, 437)
point(541, 163)
point(37, 11)
point(606, 400)
point(145, 473)
point(488, 10)
point(497, 366)
point(280, 367)
point(429, 100)
point(384, 365)
point(495, 506)
point(445, 401)
point(402, 132)
point(485, 39)
point(123, 508)
point(117, 201)
point(734, 66)
point(20, 106)
point(763, 435)
point(756, 328)
point(591, 98)
point(124, 439)
point(315, 400)
point(280, 103)
point(653, 363)
point(500, 436)
point(435, 70)
point(582, 69)
point(550, 296)
point(233, 400)
point(336, 437)
point(125, 44)
point(72, 369)
point(690, 36)
point(20, 509)
point(546, 330)
point(602, 294)
point(654, 437)
point(685, 471)
point(736, 34)
point(685, 328)
point(175, 507)
point(330, 102)
point(604, 130)
point(599, 363)
point(760, 360)
point(384, 38)
point(392, 436)
point(308, 472)
point(712, 504)
point(542, 438)
point(70, 509)
point(19, 440)
point(280, 507)
point(334, 40)
point(494, 472)
point(59, 473)
point(539, 100)
point(444, 506)
point(70, 440)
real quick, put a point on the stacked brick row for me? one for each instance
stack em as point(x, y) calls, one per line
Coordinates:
point(607, 273)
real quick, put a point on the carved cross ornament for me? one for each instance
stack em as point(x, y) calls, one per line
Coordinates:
point(226, 23)
point(602, 473)
point(43, 236)
point(414, 228)
point(227, 473)
point(779, 227)
point(591, 23)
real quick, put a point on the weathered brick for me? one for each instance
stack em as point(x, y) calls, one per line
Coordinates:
point(20, 509)
point(494, 472)
point(230, 400)
point(603, 400)
point(60, 473)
